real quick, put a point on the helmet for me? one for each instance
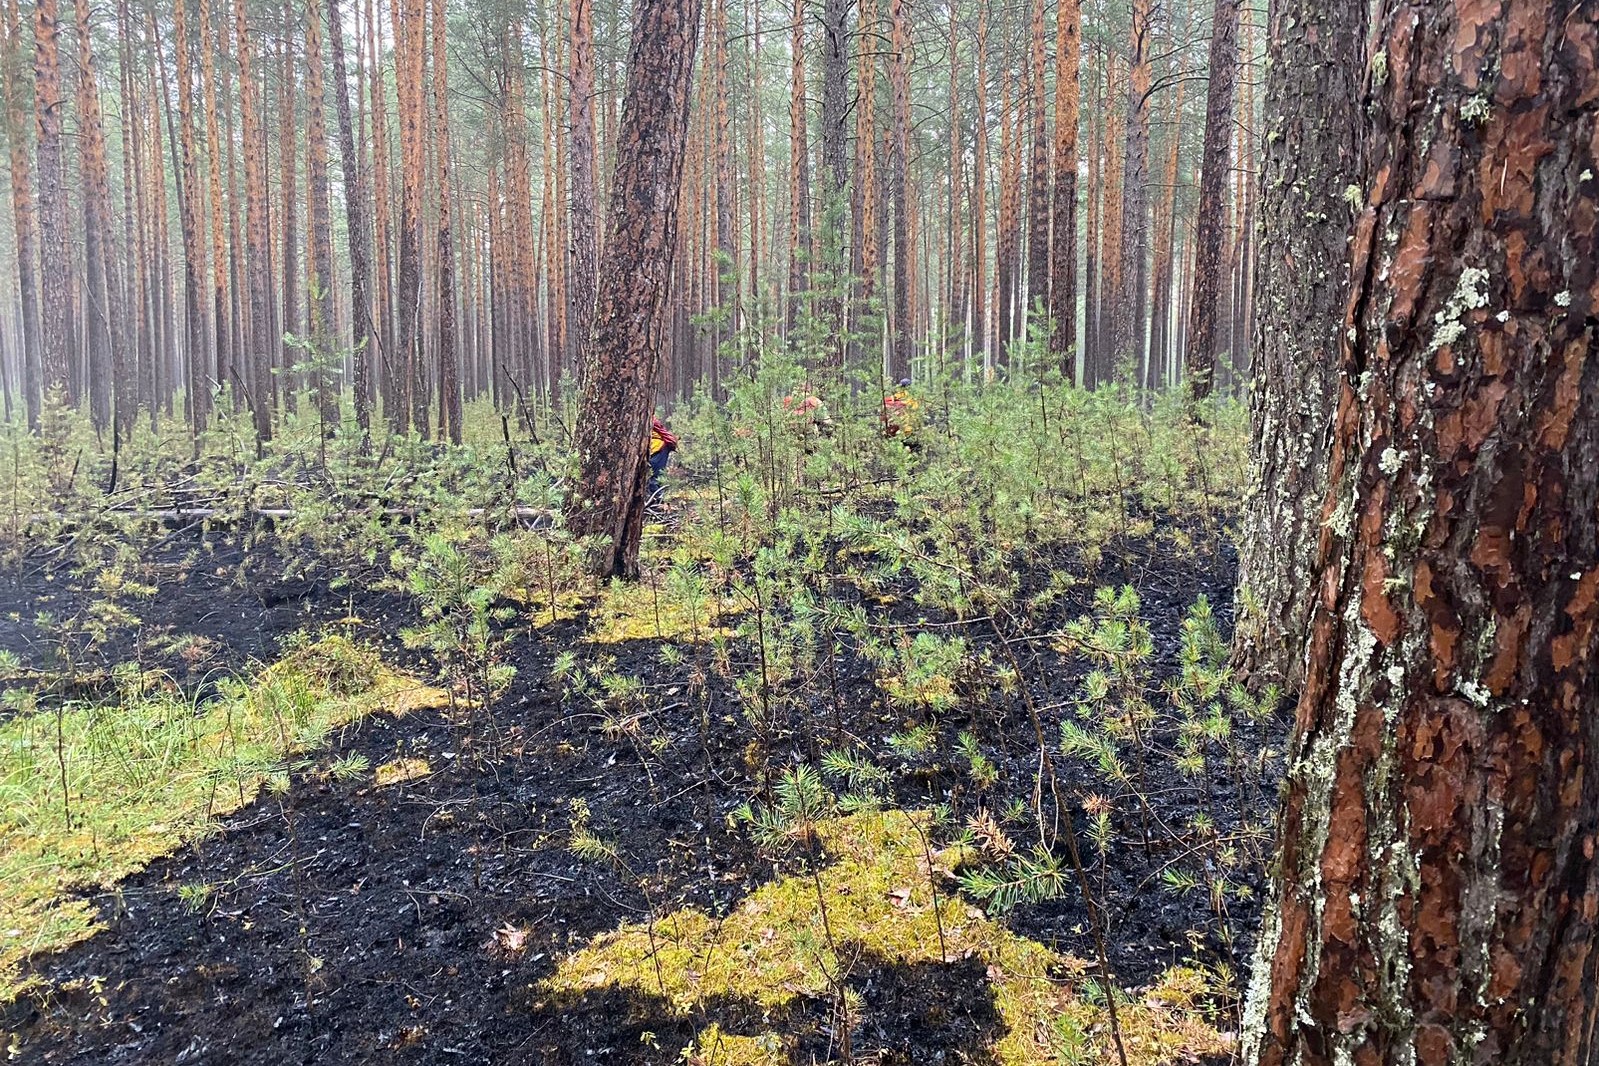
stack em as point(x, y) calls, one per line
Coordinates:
point(904, 383)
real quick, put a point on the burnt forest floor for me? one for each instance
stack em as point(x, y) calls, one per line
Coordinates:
point(345, 920)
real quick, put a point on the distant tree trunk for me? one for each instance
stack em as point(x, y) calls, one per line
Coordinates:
point(1132, 306)
point(584, 255)
point(258, 342)
point(865, 198)
point(980, 200)
point(238, 296)
point(108, 376)
point(54, 258)
point(319, 217)
point(193, 241)
point(755, 136)
point(799, 175)
point(220, 318)
point(1092, 289)
point(1038, 181)
point(955, 292)
point(24, 219)
point(1238, 347)
point(1438, 892)
point(613, 422)
point(835, 96)
point(1005, 237)
point(389, 361)
point(1063, 246)
point(1165, 236)
point(355, 221)
point(448, 341)
point(290, 319)
point(1312, 158)
point(409, 35)
point(899, 356)
point(1204, 330)
point(725, 261)
point(1113, 254)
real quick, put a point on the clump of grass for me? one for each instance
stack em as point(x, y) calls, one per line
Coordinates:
point(91, 792)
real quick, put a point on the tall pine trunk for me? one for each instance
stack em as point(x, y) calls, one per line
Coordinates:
point(607, 501)
point(409, 35)
point(24, 218)
point(221, 318)
point(1063, 233)
point(799, 174)
point(980, 315)
point(448, 340)
point(1132, 306)
point(1438, 892)
point(108, 376)
point(583, 259)
point(1312, 158)
point(359, 237)
point(55, 273)
point(194, 287)
point(258, 345)
point(319, 220)
point(1205, 333)
point(1038, 182)
point(900, 354)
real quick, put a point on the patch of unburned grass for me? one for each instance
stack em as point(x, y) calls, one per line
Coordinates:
point(90, 793)
point(773, 952)
point(646, 610)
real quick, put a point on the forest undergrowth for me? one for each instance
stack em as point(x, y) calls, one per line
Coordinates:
point(901, 747)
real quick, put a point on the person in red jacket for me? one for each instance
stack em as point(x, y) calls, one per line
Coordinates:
point(662, 444)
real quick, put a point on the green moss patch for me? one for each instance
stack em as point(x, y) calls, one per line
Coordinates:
point(774, 953)
point(94, 792)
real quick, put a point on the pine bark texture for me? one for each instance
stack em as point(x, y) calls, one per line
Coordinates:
point(1439, 894)
point(1205, 310)
point(1313, 152)
point(635, 271)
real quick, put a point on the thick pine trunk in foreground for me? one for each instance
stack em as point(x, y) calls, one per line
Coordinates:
point(635, 270)
point(1439, 893)
point(1205, 309)
point(1312, 159)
